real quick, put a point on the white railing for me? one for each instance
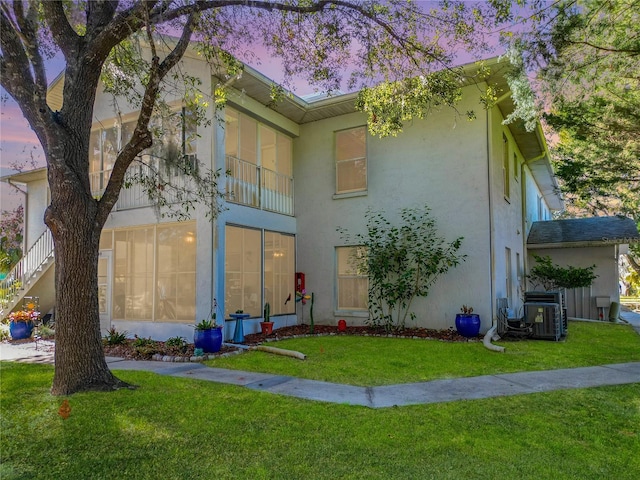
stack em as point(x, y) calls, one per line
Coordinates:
point(135, 196)
point(249, 184)
point(28, 266)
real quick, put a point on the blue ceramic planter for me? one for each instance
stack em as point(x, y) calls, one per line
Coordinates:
point(210, 341)
point(20, 330)
point(468, 324)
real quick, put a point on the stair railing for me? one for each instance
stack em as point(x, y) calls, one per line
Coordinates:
point(39, 254)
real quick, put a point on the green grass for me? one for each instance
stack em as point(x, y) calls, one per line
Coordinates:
point(373, 361)
point(175, 428)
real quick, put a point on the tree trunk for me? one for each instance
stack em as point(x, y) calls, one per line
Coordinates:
point(79, 357)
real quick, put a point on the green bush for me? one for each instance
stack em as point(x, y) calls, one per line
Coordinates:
point(145, 347)
point(113, 337)
point(402, 262)
point(176, 345)
point(551, 276)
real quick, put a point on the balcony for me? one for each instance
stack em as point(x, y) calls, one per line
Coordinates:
point(258, 187)
point(134, 196)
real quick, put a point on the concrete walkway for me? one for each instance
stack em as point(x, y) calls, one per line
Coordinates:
point(435, 391)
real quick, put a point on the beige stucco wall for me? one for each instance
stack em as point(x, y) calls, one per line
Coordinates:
point(37, 202)
point(441, 162)
point(582, 304)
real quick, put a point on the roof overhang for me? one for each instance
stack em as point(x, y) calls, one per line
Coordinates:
point(532, 144)
point(26, 177)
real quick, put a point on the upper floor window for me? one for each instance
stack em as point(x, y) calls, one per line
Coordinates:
point(260, 164)
point(253, 142)
point(505, 166)
point(516, 166)
point(174, 142)
point(351, 160)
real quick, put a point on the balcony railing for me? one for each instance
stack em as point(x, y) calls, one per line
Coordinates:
point(135, 196)
point(255, 186)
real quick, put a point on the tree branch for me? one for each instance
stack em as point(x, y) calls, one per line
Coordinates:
point(141, 137)
point(16, 76)
point(64, 36)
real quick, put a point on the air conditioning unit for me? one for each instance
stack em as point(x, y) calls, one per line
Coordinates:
point(545, 319)
point(550, 297)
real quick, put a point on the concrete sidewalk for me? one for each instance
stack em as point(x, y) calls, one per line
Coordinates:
point(435, 391)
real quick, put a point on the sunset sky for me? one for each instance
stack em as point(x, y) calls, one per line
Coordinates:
point(19, 145)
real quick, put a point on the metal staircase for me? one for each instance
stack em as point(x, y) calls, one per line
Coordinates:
point(31, 267)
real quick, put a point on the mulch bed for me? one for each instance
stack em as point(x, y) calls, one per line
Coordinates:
point(161, 352)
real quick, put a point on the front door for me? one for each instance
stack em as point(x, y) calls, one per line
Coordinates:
point(104, 290)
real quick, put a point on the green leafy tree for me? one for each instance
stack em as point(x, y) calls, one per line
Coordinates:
point(385, 42)
point(401, 261)
point(11, 237)
point(551, 276)
point(587, 54)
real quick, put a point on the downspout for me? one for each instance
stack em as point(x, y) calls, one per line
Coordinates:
point(490, 192)
point(491, 332)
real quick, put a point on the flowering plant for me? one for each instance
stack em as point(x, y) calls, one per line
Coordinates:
point(24, 316)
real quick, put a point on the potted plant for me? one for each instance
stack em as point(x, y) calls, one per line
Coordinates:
point(208, 335)
point(21, 323)
point(467, 322)
point(267, 324)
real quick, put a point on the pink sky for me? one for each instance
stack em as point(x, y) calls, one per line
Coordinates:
point(18, 143)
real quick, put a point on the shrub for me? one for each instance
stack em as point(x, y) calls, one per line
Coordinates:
point(113, 337)
point(551, 276)
point(402, 262)
point(176, 345)
point(145, 347)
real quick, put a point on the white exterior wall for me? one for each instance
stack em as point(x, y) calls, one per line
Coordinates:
point(534, 199)
point(441, 162)
point(507, 211)
point(205, 229)
point(605, 285)
point(37, 203)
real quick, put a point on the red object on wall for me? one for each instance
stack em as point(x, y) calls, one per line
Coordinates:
point(342, 325)
point(299, 282)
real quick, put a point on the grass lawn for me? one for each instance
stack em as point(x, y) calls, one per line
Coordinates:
point(373, 361)
point(175, 428)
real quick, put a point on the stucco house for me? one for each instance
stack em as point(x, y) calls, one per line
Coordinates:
point(297, 170)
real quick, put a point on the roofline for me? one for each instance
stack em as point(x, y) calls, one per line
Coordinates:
point(25, 177)
point(591, 243)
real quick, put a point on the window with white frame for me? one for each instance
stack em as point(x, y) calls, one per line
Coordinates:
point(259, 268)
point(260, 163)
point(351, 160)
point(505, 166)
point(174, 145)
point(352, 283)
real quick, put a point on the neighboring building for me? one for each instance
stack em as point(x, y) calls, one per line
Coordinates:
point(483, 180)
point(582, 242)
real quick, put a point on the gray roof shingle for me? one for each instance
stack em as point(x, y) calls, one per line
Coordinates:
point(583, 232)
